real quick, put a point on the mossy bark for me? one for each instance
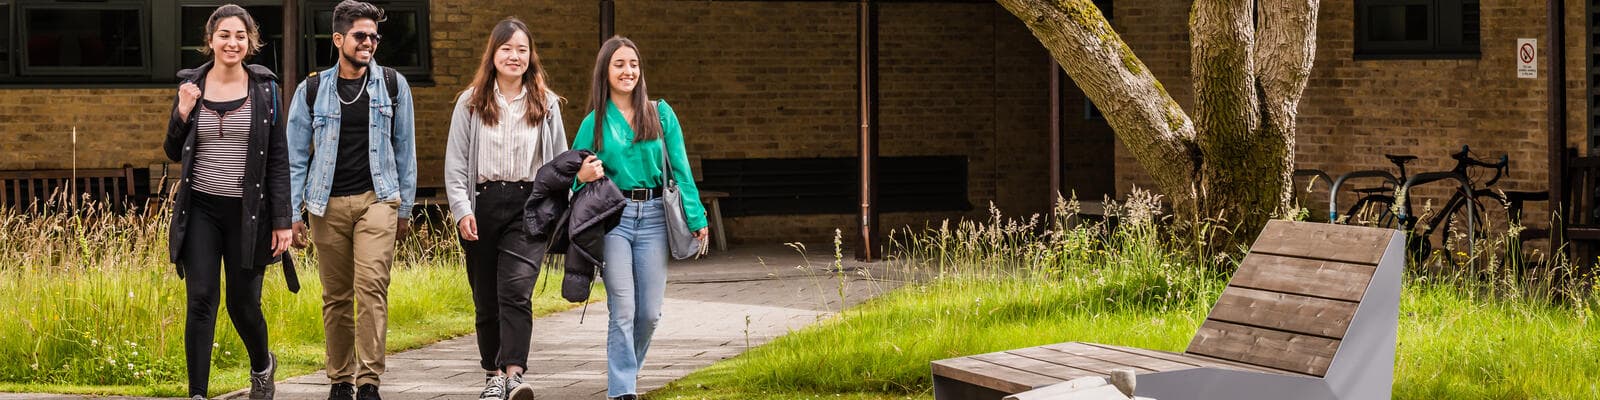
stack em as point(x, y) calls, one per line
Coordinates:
point(1231, 159)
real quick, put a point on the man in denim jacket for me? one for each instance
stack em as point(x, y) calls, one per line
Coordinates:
point(353, 166)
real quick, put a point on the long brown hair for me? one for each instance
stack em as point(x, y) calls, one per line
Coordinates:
point(482, 103)
point(646, 124)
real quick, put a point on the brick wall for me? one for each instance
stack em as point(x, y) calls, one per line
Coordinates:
point(749, 79)
point(778, 80)
point(1354, 111)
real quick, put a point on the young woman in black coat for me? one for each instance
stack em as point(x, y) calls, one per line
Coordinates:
point(231, 216)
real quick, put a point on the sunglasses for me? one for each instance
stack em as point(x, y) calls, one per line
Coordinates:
point(362, 37)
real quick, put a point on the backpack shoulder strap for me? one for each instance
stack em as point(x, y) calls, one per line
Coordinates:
point(392, 84)
point(312, 82)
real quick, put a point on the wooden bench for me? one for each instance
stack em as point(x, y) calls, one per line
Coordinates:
point(1580, 212)
point(1312, 313)
point(32, 190)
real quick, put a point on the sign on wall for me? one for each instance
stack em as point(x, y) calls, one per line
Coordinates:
point(1527, 56)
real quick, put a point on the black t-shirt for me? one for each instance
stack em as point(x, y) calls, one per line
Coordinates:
point(352, 173)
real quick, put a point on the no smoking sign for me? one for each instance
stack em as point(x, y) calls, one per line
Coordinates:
point(1527, 58)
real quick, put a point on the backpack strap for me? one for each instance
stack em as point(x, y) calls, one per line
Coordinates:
point(312, 82)
point(391, 83)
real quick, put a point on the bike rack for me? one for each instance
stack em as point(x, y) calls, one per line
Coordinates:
point(1430, 177)
point(1333, 193)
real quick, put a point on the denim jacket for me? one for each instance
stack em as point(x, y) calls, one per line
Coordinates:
point(313, 135)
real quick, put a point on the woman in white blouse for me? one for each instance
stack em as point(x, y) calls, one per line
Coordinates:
point(505, 126)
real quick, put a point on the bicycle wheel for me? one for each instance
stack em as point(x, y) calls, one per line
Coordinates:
point(1460, 239)
point(1372, 210)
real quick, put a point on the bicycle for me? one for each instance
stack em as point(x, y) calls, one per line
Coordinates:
point(1459, 224)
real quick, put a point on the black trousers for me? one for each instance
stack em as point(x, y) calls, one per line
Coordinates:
point(502, 266)
point(211, 249)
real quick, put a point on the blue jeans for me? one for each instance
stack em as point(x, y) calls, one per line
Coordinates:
point(635, 275)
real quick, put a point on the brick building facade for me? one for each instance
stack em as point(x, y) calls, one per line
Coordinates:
point(777, 80)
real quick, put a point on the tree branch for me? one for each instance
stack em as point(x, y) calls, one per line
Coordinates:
point(1145, 117)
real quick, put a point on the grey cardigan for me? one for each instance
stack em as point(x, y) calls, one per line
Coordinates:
point(461, 156)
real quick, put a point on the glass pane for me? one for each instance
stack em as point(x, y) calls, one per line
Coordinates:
point(1397, 23)
point(1470, 25)
point(84, 38)
point(193, 26)
point(5, 38)
point(402, 44)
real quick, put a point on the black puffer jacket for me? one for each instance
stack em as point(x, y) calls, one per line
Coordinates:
point(575, 226)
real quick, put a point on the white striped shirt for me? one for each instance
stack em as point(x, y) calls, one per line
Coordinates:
point(507, 150)
point(222, 141)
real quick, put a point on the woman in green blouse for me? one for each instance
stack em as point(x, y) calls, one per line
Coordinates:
point(625, 129)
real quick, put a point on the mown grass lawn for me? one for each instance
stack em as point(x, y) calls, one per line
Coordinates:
point(1451, 347)
point(1000, 287)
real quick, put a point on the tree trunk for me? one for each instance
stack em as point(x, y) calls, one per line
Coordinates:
point(1147, 120)
point(1233, 164)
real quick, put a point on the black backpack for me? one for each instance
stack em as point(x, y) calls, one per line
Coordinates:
point(389, 82)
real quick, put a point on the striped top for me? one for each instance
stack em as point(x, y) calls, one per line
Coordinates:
point(507, 150)
point(223, 141)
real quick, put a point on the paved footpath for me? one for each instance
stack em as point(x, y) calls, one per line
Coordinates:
point(716, 308)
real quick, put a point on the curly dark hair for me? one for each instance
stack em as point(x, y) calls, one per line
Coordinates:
point(349, 11)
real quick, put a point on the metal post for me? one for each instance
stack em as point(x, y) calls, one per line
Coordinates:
point(867, 43)
point(1055, 133)
point(291, 49)
point(608, 20)
point(1556, 113)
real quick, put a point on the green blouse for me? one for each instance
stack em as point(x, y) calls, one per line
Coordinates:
point(638, 165)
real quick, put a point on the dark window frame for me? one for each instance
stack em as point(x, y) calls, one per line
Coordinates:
point(312, 43)
point(22, 34)
point(7, 46)
point(161, 41)
point(177, 15)
point(1454, 31)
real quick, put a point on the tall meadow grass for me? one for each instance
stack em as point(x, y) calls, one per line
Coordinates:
point(95, 306)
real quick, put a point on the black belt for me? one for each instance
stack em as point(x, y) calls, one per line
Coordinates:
point(642, 194)
point(515, 185)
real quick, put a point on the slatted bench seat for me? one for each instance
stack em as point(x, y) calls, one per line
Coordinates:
point(33, 189)
point(1312, 313)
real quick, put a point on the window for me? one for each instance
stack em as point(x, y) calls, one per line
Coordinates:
point(1417, 29)
point(145, 42)
point(72, 38)
point(405, 38)
point(192, 18)
point(794, 186)
point(5, 38)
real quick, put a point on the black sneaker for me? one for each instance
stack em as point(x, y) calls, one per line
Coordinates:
point(517, 389)
point(342, 391)
point(368, 392)
point(494, 388)
point(261, 383)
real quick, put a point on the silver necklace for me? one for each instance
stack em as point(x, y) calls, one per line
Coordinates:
point(364, 80)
